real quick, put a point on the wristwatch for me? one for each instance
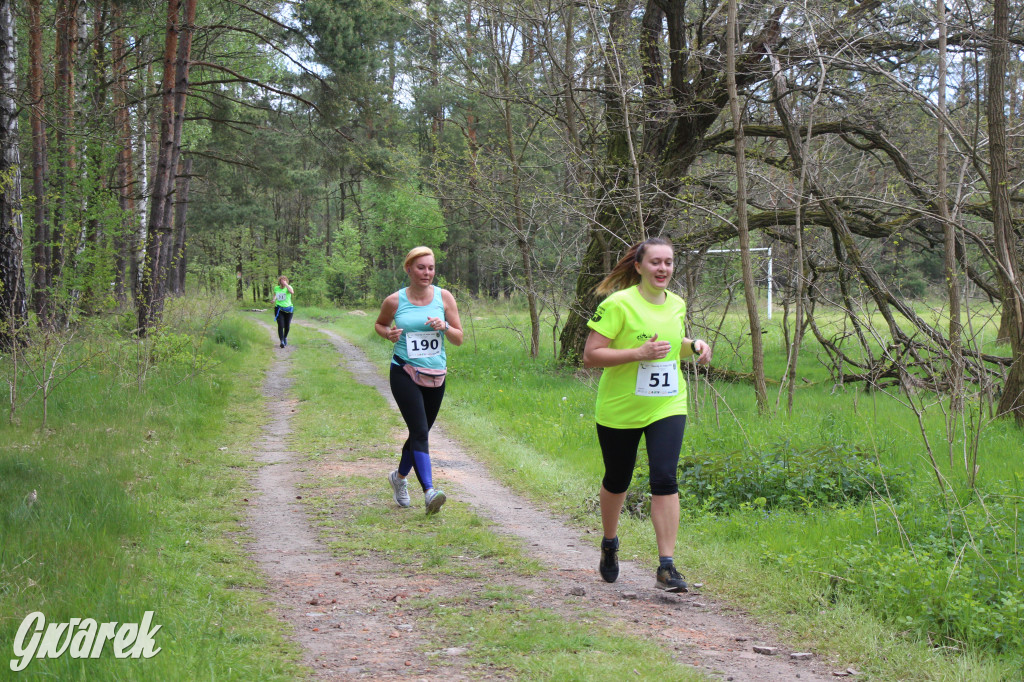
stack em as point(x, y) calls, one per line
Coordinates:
point(693, 346)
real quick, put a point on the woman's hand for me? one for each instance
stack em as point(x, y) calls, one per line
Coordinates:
point(394, 333)
point(653, 349)
point(437, 324)
point(703, 351)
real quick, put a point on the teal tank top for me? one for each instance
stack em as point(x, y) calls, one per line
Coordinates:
point(419, 345)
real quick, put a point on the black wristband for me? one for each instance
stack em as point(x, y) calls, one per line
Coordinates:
point(693, 346)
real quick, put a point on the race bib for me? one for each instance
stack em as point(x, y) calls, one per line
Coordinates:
point(423, 344)
point(657, 378)
point(280, 296)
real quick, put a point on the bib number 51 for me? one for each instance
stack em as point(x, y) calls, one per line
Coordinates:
point(423, 344)
point(657, 379)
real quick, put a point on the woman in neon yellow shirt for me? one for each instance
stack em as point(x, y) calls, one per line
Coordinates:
point(283, 308)
point(638, 337)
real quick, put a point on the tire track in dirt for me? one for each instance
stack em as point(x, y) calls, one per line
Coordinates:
point(700, 630)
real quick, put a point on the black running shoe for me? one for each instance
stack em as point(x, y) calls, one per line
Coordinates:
point(609, 566)
point(670, 580)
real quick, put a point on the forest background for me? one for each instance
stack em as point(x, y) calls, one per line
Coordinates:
point(874, 147)
point(159, 150)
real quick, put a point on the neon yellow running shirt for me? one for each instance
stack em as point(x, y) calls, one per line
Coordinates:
point(282, 297)
point(629, 320)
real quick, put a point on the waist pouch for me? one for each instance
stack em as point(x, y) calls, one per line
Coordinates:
point(423, 376)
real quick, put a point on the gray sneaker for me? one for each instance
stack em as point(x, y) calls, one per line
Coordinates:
point(400, 486)
point(434, 500)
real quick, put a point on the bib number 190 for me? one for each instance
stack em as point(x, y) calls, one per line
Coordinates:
point(423, 344)
point(657, 379)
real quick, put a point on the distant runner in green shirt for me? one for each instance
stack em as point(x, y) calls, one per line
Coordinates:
point(283, 308)
point(638, 337)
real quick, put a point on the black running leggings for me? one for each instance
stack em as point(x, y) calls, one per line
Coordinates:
point(618, 448)
point(284, 323)
point(419, 406)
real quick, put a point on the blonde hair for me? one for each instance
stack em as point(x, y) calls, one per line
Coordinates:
point(624, 273)
point(417, 252)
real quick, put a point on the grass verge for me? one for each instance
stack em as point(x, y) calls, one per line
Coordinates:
point(140, 486)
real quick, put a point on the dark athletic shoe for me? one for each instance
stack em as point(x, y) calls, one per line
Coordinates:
point(434, 500)
point(282, 344)
point(670, 580)
point(609, 566)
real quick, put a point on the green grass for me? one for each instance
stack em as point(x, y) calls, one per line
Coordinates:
point(538, 644)
point(500, 628)
point(815, 573)
point(139, 508)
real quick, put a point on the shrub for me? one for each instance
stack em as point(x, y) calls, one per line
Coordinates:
point(783, 478)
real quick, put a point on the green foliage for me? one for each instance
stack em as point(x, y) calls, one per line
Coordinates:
point(953, 577)
point(783, 477)
point(924, 590)
point(231, 333)
point(171, 347)
point(346, 266)
point(402, 217)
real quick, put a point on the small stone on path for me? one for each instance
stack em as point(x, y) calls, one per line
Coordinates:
point(630, 595)
point(802, 656)
point(765, 650)
point(577, 591)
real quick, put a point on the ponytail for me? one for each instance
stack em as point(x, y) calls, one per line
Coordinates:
point(624, 274)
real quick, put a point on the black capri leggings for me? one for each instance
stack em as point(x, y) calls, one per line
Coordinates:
point(618, 448)
point(284, 323)
point(419, 406)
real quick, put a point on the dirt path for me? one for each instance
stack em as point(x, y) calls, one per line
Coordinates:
point(349, 619)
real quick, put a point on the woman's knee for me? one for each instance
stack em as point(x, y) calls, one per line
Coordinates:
point(616, 482)
point(664, 485)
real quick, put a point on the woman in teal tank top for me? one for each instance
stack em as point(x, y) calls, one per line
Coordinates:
point(418, 319)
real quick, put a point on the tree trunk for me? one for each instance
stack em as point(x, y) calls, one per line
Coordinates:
point(239, 289)
point(64, 87)
point(780, 90)
point(13, 300)
point(523, 231)
point(125, 175)
point(150, 302)
point(179, 261)
point(956, 364)
point(609, 228)
point(1012, 401)
point(681, 111)
point(41, 237)
point(184, 54)
point(145, 131)
point(749, 294)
